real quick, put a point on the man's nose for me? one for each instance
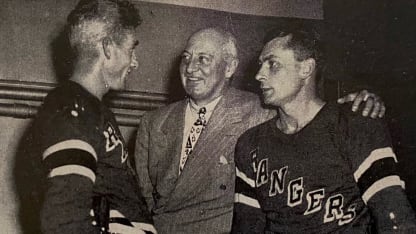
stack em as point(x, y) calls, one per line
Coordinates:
point(191, 66)
point(134, 64)
point(260, 74)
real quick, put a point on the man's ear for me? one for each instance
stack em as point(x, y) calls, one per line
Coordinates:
point(106, 43)
point(231, 68)
point(307, 67)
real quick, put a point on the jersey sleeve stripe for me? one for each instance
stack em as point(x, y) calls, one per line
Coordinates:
point(70, 157)
point(116, 214)
point(245, 178)
point(119, 222)
point(120, 228)
point(381, 184)
point(72, 169)
point(122, 221)
point(242, 187)
point(243, 199)
point(145, 226)
point(69, 144)
point(117, 217)
point(380, 169)
point(375, 155)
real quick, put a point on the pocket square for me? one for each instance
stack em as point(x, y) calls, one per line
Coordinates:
point(223, 160)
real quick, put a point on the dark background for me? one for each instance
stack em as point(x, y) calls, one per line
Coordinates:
point(373, 44)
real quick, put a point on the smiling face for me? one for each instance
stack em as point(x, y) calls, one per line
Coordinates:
point(203, 67)
point(279, 74)
point(123, 60)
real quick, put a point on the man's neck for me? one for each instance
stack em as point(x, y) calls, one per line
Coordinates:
point(294, 116)
point(92, 81)
point(209, 106)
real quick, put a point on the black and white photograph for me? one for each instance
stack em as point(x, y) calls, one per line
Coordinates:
point(207, 117)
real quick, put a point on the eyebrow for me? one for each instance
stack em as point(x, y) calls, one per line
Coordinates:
point(268, 57)
point(201, 53)
point(206, 54)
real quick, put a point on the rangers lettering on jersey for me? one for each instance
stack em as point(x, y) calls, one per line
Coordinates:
point(113, 140)
point(276, 180)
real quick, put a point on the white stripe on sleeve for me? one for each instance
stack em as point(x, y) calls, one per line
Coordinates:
point(241, 198)
point(70, 144)
point(72, 169)
point(245, 178)
point(381, 184)
point(375, 155)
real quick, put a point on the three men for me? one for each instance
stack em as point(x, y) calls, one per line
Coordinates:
point(317, 167)
point(185, 151)
point(86, 183)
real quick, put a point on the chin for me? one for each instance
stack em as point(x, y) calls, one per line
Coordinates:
point(193, 92)
point(271, 102)
point(267, 100)
point(194, 96)
point(197, 96)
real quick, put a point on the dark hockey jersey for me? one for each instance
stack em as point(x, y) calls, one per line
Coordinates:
point(84, 172)
point(336, 175)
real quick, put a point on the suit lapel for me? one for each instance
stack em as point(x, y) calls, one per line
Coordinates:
point(172, 130)
point(211, 145)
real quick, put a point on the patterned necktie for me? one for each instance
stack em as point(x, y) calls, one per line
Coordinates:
point(193, 136)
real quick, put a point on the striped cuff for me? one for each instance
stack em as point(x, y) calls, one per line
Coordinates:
point(243, 199)
point(381, 184)
point(70, 157)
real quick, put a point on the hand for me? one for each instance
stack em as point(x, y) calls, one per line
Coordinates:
point(373, 103)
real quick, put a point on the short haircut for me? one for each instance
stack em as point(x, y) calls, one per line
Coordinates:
point(92, 20)
point(304, 41)
point(229, 47)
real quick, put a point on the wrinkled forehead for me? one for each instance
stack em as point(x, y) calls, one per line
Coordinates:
point(205, 42)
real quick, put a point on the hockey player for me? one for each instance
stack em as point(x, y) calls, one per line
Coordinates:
point(316, 167)
point(86, 182)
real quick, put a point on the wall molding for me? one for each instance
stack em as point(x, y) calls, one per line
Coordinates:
point(21, 99)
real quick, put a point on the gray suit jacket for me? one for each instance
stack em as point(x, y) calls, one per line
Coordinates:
point(200, 200)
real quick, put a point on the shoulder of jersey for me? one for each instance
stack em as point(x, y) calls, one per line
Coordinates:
point(70, 102)
point(356, 117)
point(260, 130)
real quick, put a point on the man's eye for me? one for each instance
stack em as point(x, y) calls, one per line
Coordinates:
point(203, 59)
point(273, 65)
point(185, 57)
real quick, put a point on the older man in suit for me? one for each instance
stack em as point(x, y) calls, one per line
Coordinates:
point(185, 151)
